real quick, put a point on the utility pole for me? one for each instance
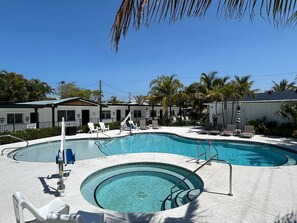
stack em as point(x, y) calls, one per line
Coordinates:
point(100, 101)
point(62, 88)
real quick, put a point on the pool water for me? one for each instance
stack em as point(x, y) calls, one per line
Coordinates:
point(237, 153)
point(139, 187)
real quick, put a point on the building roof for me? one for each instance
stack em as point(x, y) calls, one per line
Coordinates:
point(273, 96)
point(65, 101)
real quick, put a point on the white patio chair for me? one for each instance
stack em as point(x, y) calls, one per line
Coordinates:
point(92, 128)
point(103, 127)
point(44, 213)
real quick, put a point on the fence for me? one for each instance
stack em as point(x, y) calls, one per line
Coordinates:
point(22, 126)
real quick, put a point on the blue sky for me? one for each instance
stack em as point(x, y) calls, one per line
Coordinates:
point(69, 40)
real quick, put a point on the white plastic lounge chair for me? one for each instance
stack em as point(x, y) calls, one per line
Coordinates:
point(41, 214)
point(248, 131)
point(229, 131)
point(155, 124)
point(92, 128)
point(103, 127)
point(142, 125)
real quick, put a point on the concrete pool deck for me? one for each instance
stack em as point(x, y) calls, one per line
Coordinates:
point(260, 194)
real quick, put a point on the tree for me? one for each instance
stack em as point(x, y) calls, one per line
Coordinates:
point(38, 90)
point(142, 12)
point(242, 86)
point(288, 111)
point(181, 98)
point(283, 85)
point(114, 100)
point(140, 99)
point(163, 88)
point(69, 90)
point(15, 88)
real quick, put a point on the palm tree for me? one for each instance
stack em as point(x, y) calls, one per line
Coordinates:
point(181, 98)
point(140, 99)
point(38, 90)
point(142, 12)
point(114, 100)
point(163, 88)
point(288, 111)
point(283, 85)
point(242, 86)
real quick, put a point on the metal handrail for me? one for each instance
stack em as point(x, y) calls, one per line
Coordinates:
point(208, 161)
point(205, 150)
point(230, 175)
point(14, 137)
point(210, 142)
point(197, 151)
point(186, 177)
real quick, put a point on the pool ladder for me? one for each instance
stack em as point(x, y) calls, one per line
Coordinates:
point(206, 151)
point(14, 137)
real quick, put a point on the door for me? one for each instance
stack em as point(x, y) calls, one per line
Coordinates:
point(118, 116)
point(85, 117)
point(161, 114)
point(32, 117)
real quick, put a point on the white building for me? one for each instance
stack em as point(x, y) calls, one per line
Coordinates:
point(261, 107)
point(76, 112)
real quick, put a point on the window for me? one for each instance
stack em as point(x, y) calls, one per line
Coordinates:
point(172, 112)
point(137, 113)
point(106, 114)
point(68, 115)
point(14, 118)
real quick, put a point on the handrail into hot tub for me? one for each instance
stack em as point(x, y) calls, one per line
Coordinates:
point(208, 161)
point(14, 137)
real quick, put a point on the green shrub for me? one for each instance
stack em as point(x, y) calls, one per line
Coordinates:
point(30, 134)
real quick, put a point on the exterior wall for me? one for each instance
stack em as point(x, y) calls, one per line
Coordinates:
point(45, 115)
point(248, 111)
point(145, 112)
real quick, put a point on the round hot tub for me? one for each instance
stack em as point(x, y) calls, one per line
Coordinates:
point(141, 187)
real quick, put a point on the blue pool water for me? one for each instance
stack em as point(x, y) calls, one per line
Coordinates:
point(139, 187)
point(237, 153)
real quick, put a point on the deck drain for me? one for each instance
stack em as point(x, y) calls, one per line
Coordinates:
point(141, 194)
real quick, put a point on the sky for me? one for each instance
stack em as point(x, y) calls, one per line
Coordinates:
point(69, 40)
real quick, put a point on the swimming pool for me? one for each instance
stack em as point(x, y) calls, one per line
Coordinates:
point(141, 187)
point(236, 152)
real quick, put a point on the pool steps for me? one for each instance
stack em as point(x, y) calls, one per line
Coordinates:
point(180, 197)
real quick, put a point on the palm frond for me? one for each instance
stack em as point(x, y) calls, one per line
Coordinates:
point(143, 12)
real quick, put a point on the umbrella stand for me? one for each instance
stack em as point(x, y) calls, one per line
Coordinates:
point(238, 130)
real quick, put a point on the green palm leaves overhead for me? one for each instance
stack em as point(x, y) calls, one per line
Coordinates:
point(143, 12)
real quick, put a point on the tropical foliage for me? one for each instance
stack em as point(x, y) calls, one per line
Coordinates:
point(288, 111)
point(68, 90)
point(140, 99)
point(284, 85)
point(15, 88)
point(164, 90)
point(143, 12)
point(114, 100)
